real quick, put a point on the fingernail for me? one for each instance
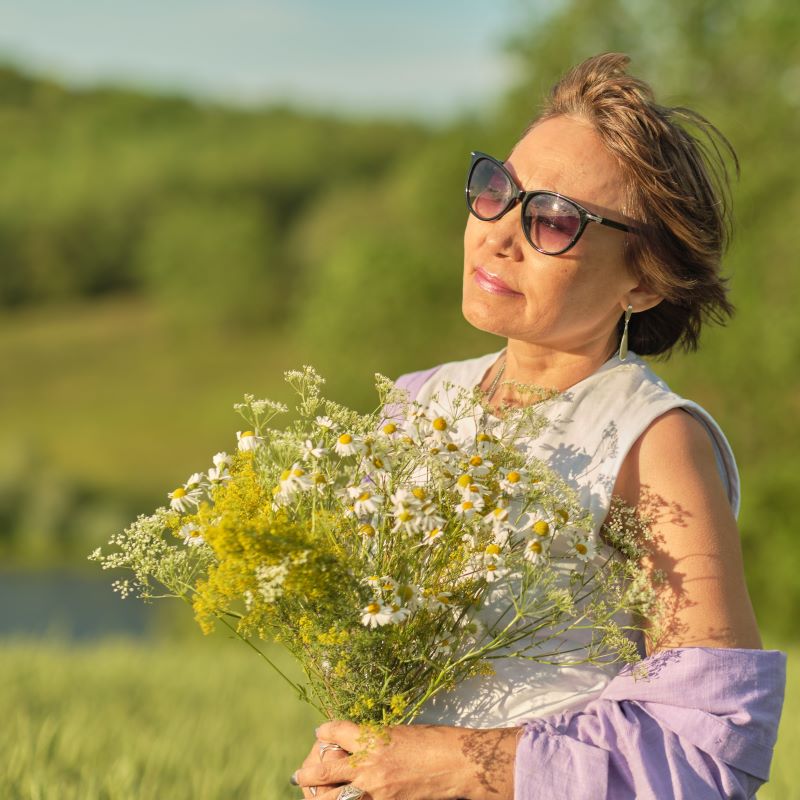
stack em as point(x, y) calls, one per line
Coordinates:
point(293, 779)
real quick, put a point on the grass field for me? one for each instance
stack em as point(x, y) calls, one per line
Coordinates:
point(200, 720)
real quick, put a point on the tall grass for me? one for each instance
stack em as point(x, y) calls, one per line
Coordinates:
point(203, 720)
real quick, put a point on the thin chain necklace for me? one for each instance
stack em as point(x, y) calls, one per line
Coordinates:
point(492, 389)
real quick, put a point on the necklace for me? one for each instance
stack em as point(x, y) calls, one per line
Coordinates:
point(490, 392)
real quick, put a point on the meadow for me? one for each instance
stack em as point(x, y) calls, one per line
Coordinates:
point(201, 719)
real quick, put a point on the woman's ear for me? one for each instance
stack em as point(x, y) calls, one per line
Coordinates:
point(641, 298)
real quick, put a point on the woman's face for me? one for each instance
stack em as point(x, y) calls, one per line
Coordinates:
point(571, 302)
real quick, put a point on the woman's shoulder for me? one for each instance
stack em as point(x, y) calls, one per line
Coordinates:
point(464, 372)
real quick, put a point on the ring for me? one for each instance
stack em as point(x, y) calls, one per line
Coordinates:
point(351, 792)
point(325, 746)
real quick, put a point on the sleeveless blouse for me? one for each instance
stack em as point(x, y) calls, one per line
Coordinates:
point(590, 429)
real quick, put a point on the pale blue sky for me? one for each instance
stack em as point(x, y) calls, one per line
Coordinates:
point(430, 59)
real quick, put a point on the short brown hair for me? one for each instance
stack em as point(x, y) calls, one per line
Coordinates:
point(677, 190)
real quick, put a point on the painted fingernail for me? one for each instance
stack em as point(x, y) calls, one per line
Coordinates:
point(293, 779)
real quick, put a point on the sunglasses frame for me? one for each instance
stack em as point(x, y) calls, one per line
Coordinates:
point(523, 197)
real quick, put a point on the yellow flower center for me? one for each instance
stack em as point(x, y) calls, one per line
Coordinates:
point(404, 516)
point(387, 587)
point(491, 567)
point(345, 438)
point(562, 514)
point(484, 437)
point(373, 608)
point(419, 493)
point(286, 474)
point(582, 548)
point(475, 461)
point(452, 447)
point(541, 528)
point(389, 428)
point(434, 533)
point(405, 593)
point(179, 492)
point(435, 451)
point(378, 462)
point(513, 476)
point(365, 496)
point(467, 505)
point(534, 546)
point(247, 433)
point(366, 530)
point(298, 473)
point(464, 481)
point(440, 424)
point(319, 478)
point(493, 549)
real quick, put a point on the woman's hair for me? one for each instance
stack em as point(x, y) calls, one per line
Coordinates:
point(676, 190)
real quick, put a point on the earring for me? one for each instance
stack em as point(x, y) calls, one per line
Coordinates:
point(623, 342)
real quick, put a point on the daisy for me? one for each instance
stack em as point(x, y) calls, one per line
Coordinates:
point(294, 480)
point(183, 499)
point(535, 551)
point(439, 600)
point(347, 445)
point(469, 508)
point(375, 615)
point(218, 475)
point(313, 451)
point(584, 548)
point(191, 535)
point(221, 460)
point(494, 571)
point(398, 613)
point(514, 482)
point(247, 440)
point(326, 423)
point(430, 537)
point(364, 501)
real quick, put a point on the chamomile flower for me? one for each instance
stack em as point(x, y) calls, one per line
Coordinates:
point(222, 460)
point(247, 440)
point(408, 595)
point(313, 452)
point(293, 481)
point(494, 571)
point(469, 508)
point(444, 645)
point(183, 499)
point(375, 615)
point(514, 482)
point(437, 601)
point(398, 614)
point(583, 547)
point(326, 423)
point(218, 475)
point(191, 535)
point(432, 536)
point(347, 445)
point(478, 466)
point(535, 551)
point(364, 501)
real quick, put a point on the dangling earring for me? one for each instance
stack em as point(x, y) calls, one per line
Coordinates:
point(623, 342)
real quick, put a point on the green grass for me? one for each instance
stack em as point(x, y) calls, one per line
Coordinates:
point(127, 720)
point(199, 720)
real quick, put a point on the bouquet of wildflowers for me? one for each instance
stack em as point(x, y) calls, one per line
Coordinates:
point(368, 545)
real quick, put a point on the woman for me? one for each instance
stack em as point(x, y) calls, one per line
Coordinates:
point(601, 233)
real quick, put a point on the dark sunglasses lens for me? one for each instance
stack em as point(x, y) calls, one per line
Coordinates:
point(489, 190)
point(552, 222)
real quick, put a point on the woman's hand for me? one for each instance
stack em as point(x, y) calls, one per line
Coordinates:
point(413, 762)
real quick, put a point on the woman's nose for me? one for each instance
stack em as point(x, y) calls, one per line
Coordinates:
point(505, 235)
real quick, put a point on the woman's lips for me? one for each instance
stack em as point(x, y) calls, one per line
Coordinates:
point(491, 283)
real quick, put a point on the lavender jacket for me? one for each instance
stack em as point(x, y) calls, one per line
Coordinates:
point(701, 724)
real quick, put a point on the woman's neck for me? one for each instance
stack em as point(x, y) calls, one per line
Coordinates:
point(548, 369)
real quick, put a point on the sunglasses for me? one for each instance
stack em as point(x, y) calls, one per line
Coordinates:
point(551, 222)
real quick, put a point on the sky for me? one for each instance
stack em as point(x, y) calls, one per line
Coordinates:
point(423, 58)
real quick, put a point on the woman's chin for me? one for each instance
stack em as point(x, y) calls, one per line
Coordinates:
point(482, 318)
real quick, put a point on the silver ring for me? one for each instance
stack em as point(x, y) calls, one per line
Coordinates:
point(325, 746)
point(351, 792)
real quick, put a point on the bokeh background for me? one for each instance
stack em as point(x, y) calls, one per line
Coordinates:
point(196, 196)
